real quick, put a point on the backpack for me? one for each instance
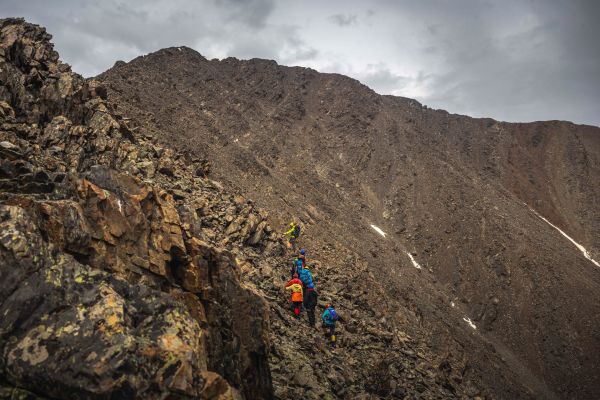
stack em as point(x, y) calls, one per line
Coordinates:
point(305, 276)
point(296, 232)
point(332, 314)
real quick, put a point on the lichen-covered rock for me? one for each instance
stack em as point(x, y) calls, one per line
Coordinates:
point(72, 331)
point(12, 393)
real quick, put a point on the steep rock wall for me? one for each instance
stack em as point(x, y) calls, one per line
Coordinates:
point(114, 282)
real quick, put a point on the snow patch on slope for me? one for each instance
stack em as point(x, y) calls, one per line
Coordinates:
point(580, 247)
point(414, 262)
point(468, 321)
point(378, 230)
point(412, 259)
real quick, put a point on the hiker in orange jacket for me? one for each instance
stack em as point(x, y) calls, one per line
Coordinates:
point(295, 285)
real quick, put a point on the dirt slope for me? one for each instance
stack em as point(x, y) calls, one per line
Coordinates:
point(463, 196)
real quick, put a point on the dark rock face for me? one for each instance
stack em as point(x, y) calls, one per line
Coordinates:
point(112, 283)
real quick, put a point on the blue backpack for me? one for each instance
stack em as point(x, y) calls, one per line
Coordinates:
point(332, 314)
point(305, 276)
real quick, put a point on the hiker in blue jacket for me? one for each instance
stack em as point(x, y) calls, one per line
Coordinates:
point(306, 277)
point(310, 298)
point(329, 319)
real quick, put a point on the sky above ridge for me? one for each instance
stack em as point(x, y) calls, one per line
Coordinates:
point(510, 60)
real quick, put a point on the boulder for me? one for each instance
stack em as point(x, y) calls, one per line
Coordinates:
point(70, 331)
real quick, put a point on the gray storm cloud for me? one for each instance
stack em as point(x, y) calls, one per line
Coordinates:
point(511, 60)
point(344, 20)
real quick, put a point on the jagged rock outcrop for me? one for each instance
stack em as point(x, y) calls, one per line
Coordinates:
point(112, 284)
point(67, 327)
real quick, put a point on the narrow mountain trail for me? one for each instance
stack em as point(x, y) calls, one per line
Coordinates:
point(372, 359)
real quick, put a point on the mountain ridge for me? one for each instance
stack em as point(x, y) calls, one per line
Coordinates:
point(170, 50)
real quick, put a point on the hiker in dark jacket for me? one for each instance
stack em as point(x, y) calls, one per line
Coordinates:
point(302, 256)
point(310, 302)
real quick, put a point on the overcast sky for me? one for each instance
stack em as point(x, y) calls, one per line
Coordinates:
point(506, 59)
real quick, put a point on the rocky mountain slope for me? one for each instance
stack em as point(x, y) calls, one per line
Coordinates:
point(480, 208)
point(132, 263)
point(127, 273)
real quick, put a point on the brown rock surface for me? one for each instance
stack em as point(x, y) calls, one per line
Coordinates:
point(68, 328)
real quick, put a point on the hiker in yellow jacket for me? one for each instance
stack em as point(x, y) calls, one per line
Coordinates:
point(292, 234)
point(295, 285)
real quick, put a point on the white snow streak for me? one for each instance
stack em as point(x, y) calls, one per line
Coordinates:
point(468, 321)
point(382, 233)
point(580, 247)
point(378, 230)
point(120, 206)
point(414, 262)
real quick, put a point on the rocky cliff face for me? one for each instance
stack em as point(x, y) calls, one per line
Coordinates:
point(115, 281)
